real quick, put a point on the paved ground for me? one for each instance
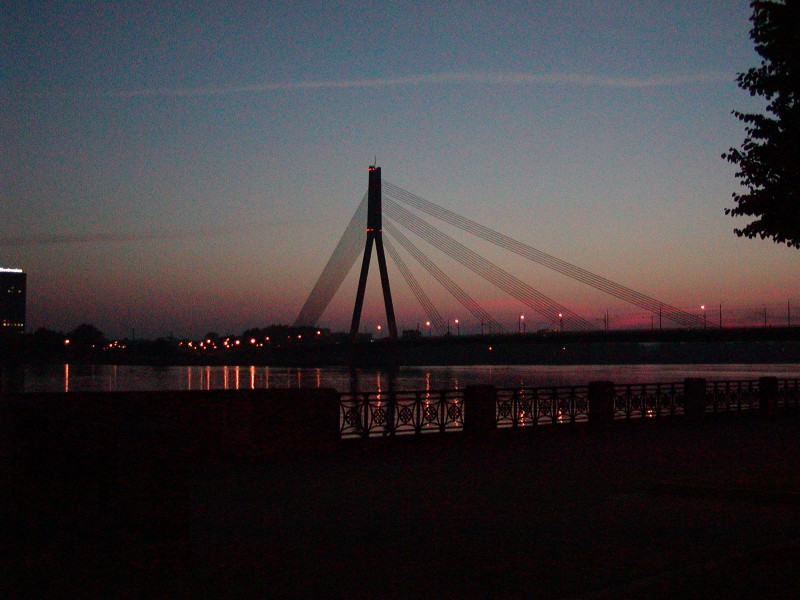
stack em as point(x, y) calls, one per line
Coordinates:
point(638, 510)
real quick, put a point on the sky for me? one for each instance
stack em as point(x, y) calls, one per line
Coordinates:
point(178, 168)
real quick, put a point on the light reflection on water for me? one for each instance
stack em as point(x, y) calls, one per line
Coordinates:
point(76, 377)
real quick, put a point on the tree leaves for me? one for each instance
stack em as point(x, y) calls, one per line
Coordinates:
point(769, 158)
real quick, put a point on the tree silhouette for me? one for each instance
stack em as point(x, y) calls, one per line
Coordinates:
point(769, 159)
point(86, 336)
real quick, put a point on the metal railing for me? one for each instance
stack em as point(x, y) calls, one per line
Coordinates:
point(524, 407)
point(789, 393)
point(380, 414)
point(376, 414)
point(732, 396)
point(647, 400)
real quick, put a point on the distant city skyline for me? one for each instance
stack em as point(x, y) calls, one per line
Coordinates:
point(181, 169)
point(12, 301)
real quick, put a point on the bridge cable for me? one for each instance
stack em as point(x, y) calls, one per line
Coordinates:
point(532, 298)
point(344, 256)
point(427, 306)
point(498, 239)
point(486, 269)
point(504, 281)
point(451, 286)
point(596, 281)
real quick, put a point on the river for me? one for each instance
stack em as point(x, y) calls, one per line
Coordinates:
point(110, 378)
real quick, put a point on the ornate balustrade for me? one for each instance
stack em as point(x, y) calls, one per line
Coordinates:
point(524, 407)
point(789, 393)
point(482, 409)
point(375, 414)
point(645, 400)
point(732, 396)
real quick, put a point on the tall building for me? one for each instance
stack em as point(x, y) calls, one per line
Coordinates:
point(12, 301)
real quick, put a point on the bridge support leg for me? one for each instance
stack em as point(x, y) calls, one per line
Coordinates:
point(374, 234)
point(362, 286)
point(387, 294)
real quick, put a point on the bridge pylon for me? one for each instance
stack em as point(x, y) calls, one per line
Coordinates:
point(374, 235)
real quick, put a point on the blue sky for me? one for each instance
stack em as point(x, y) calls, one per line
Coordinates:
point(187, 168)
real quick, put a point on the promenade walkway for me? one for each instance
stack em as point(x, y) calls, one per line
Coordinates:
point(638, 509)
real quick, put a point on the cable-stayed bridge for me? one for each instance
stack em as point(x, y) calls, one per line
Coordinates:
point(389, 209)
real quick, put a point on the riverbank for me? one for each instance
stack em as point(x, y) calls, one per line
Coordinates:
point(641, 508)
point(668, 346)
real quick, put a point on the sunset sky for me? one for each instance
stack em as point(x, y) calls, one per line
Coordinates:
point(178, 168)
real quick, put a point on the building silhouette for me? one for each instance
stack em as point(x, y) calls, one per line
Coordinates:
point(12, 301)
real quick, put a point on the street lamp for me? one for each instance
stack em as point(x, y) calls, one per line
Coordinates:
point(703, 308)
point(561, 320)
point(521, 324)
point(379, 330)
point(458, 328)
point(428, 325)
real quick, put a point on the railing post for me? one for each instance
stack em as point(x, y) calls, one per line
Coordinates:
point(480, 409)
point(694, 398)
point(390, 413)
point(790, 395)
point(768, 395)
point(601, 402)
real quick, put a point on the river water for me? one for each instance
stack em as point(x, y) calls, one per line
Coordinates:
point(109, 378)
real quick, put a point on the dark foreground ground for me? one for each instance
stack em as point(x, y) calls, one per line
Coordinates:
point(640, 510)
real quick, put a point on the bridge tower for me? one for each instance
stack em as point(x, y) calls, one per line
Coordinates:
point(374, 234)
